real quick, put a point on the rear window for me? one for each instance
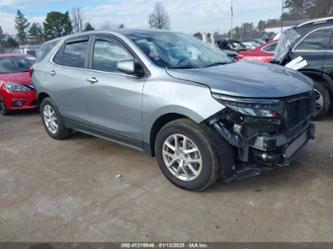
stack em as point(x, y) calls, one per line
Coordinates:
point(72, 54)
point(286, 40)
point(317, 40)
point(45, 49)
point(14, 64)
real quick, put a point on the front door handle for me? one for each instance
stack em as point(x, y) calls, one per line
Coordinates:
point(92, 80)
point(52, 73)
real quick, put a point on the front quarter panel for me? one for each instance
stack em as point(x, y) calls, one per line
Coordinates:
point(170, 96)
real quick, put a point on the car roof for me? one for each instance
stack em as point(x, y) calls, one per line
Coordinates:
point(124, 32)
point(141, 31)
point(306, 27)
point(316, 21)
point(119, 31)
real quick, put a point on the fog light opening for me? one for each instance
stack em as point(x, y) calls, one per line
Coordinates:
point(17, 103)
point(264, 156)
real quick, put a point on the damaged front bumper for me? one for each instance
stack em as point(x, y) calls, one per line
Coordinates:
point(280, 149)
point(259, 144)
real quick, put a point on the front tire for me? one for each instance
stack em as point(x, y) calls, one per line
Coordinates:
point(3, 109)
point(52, 120)
point(187, 156)
point(323, 100)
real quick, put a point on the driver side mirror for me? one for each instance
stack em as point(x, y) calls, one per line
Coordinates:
point(130, 67)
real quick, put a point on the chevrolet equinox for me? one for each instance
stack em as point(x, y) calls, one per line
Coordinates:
point(176, 98)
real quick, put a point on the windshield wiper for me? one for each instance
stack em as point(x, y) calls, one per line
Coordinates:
point(184, 67)
point(217, 64)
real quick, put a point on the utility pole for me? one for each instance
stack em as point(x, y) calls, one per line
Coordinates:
point(281, 18)
point(232, 17)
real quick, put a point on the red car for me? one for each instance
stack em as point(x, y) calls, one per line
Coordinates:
point(16, 89)
point(262, 53)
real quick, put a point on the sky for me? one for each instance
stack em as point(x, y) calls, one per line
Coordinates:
point(188, 16)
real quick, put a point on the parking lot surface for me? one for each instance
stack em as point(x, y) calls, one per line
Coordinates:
point(87, 189)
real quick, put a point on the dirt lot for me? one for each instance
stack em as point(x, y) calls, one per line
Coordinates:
point(68, 191)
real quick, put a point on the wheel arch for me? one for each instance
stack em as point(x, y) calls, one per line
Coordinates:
point(160, 122)
point(41, 96)
point(316, 75)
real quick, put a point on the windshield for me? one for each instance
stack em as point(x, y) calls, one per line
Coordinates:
point(15, 64)
point(286, 40)
point(176, 50)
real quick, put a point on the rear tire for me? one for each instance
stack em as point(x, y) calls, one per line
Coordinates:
point(52, 120)
point(3, 109)
point(193, 171)
point(323, 100)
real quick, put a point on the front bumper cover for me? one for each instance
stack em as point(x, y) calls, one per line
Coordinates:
point(280, 149)
point(28, 100)
point(263, 150)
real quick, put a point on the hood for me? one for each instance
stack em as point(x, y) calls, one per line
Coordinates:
point(19, 78)
point(248, 79)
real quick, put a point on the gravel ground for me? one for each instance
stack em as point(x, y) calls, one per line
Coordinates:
point(87, 189)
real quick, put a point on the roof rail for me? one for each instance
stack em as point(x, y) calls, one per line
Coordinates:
point(315, 20)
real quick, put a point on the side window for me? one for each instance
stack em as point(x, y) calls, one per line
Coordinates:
point(318, 40)
point(72, 54)
point(107, 54)
point(270, 48)
point(45, 49)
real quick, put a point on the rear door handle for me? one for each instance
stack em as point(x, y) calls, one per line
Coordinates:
point(92, 80)
point(52, 73)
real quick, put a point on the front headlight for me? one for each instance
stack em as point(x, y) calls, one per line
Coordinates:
point(14, 87)
point(263, 108)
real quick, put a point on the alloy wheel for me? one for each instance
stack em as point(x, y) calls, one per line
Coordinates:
point(319, 101)
point(50, 119)
point(182, 157)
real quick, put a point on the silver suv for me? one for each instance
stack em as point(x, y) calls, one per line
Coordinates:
point(176, 98)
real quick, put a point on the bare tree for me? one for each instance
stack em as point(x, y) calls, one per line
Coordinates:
point(77, 20)
point(159, 18)
point(88, 27)
point(2, 38)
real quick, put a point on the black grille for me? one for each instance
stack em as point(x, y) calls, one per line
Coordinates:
point(299, 108)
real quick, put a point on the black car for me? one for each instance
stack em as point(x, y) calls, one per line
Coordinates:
point(308, 48)
point(229, 44)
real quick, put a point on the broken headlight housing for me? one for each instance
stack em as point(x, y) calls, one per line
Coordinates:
point(261, 108)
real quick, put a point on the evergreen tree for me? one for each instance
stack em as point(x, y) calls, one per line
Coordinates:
point(36, 33)
point(57, 24)
point(21, 24)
